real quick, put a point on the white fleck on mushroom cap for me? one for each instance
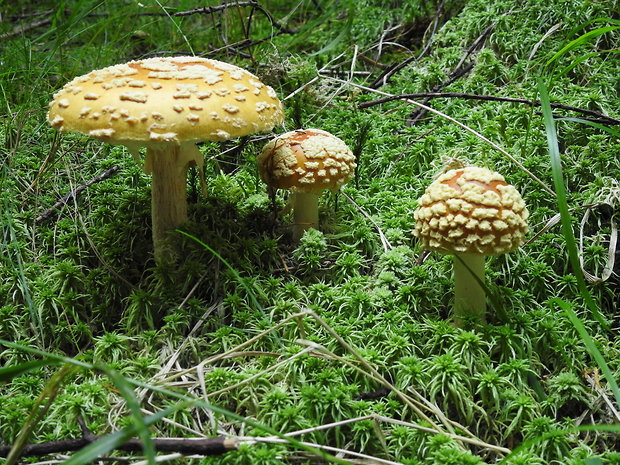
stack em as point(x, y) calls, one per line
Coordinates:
point(162, 100)
point(471, 210)
point(306, 160)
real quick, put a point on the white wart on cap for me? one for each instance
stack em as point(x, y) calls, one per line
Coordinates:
point(172, 99)
point(307, 160)
point(471, 211)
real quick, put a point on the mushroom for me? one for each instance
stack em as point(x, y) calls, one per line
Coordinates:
point(306, 161)
point(166, 105)
point(470, 212)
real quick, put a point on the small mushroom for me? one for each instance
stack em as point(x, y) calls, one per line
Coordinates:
point(166, 105)
point(470, 212)
point(306, 161)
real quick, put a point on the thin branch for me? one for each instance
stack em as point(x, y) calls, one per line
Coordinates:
point(382, 40)
point(464, 126)
point(492, 98)
point(459, 70)
point(14, 18)
point(19, 30)
point(384, 241)
point(200, 446)
point(212, 9)
point(475, 45)
point(207, 9)
point(419, 113)
point(385, 76)
point(74, 193)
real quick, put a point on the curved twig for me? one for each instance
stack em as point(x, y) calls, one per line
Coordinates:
point(431, 95)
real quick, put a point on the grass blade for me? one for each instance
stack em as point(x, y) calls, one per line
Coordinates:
point(10, 372)
point(39, 409)
point(582, 59)
point(242, 283)
point(582, 39)
point(602, 127)
point(344, 33)
point(558, 181)
point(139, 422)
point(591, 347)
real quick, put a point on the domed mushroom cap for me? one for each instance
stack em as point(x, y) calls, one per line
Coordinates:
point(471, 210)
point(306, 160)
point(173, 99)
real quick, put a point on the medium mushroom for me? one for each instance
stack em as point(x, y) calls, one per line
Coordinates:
point(306, 161)
point(166, 105)
point(470, 212)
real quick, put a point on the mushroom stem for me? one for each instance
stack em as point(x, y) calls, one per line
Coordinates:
point(469, 295)
point(306, 213)
point(168, 166)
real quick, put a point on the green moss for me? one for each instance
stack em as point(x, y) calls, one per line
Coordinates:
point(83, 283)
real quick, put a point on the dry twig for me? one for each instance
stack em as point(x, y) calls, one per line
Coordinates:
point(459, 70)
point(431, 95)
point(385, 76)
point(19, 30)
point(464, 126)
point(74, 193)
point(201, 446)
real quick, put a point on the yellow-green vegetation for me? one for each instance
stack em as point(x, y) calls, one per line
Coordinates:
point(345, 339)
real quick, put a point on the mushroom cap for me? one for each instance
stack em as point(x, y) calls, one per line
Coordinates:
point(306, 160)
point(471, 210)
point(172, 99)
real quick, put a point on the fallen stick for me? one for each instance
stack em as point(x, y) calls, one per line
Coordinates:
point(194, 446)
point(431, 95)
point(19, 30)
point(74, 193)
point(459, 70)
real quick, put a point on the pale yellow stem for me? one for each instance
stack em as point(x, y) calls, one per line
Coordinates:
point(306, 213)
point(469, 295)
point(168, 166)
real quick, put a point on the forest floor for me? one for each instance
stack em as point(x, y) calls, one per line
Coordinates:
point(341, 347)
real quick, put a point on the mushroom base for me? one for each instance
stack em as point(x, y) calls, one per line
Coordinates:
point(469, 295)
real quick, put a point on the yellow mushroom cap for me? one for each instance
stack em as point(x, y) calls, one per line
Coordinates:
point(171, 99)
point(306, 160)
point(471, 210)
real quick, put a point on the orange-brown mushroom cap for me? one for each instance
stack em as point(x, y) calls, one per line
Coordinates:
point(306, 160)
point(473, 211)
point(172, 99)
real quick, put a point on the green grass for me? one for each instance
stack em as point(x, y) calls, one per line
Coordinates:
point(254, 336)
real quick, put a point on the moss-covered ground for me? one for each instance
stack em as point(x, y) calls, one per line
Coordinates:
point(348, 333)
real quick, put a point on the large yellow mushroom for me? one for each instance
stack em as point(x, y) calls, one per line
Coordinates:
point(470, 212)
point(166, 105)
